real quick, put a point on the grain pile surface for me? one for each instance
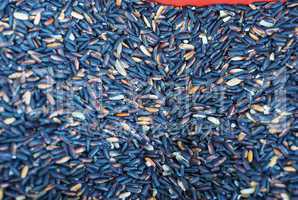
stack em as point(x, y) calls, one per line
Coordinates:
point(103, 99)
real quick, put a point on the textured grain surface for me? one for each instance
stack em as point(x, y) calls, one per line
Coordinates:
point(132, 100)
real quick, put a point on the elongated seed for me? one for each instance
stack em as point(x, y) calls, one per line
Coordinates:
point(9, 120)
point(76, 187)
point(24, 171)
point(21, 15)
point(234, 82)
point(63, 160)
point(250, 156)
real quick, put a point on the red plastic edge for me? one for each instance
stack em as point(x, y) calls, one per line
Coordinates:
point(207, 2)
